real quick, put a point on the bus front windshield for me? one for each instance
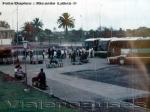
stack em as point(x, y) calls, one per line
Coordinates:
point(89, 44)
point(103, 45)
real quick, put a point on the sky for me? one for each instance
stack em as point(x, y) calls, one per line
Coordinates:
point(88, 14)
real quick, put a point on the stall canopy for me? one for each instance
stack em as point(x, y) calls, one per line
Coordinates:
point(5, 52)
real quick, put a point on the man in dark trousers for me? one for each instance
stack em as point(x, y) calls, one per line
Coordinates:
point(41, 78)
point(52, 55)
point(49, 53)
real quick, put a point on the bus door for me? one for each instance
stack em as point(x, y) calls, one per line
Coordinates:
point(95, 45)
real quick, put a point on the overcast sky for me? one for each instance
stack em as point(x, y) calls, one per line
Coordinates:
point(88, 14)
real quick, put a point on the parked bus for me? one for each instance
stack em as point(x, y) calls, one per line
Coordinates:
point(100, 45)
point(129, 51)
point(18, 52)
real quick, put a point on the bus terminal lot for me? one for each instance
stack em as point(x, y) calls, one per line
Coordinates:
point(131, 76)
point(98, 79)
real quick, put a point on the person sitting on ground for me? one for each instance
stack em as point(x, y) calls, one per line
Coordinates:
point(19, 74)
point(84, 57)
point(41, 79)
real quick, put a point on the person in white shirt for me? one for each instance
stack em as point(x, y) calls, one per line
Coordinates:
point(19, 74)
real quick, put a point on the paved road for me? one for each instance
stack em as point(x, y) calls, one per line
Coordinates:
point(127, 76)
point(76, 88)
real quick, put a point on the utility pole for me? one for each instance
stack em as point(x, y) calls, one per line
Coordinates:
point(100, 19)
point(17, 26)
point(81, 27)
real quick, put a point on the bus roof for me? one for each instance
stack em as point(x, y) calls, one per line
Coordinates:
point(91, 39)
point(130, 38)
point(103, 39)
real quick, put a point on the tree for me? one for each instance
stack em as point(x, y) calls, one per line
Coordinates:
point(92, 34)
point(4, 24)
point(28, 30)
point(37, 26)
point(75, 35)
point(48, 33)
point(32, 29)
point(66, 21)
point(28, 27)
point(41, 36)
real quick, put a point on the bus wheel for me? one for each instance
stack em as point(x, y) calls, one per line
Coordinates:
point(121, 61)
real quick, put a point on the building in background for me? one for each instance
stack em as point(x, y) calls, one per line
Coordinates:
point(6, 36)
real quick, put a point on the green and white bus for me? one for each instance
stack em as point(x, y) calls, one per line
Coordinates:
point(100, 45)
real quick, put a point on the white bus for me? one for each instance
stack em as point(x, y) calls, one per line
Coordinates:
point(129, 50)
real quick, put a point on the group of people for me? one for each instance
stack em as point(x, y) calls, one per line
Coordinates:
point(78, 55)
point(59, 53)
point(56, 55)
point(74, 54)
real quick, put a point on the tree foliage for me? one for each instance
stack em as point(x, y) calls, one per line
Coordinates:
point(66, 21)
point(32, 29)
point(4, 24)
point(37, 26)
point(27, 31)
